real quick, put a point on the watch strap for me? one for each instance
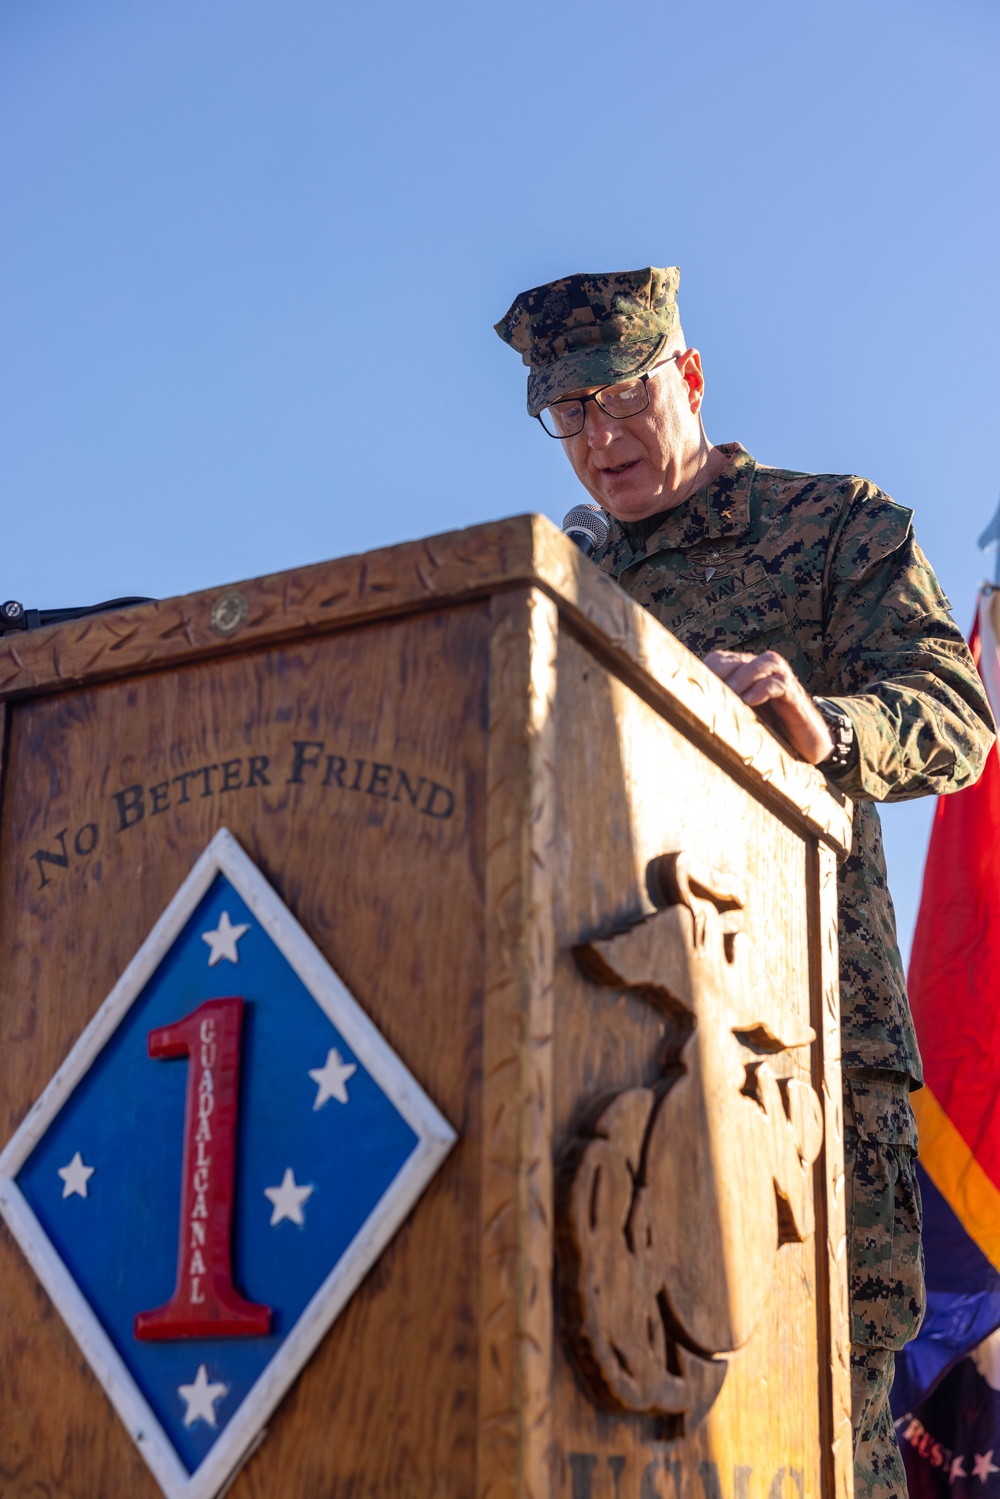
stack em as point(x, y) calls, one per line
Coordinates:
point(843, 736)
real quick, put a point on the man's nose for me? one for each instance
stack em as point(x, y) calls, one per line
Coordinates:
point(601, 428)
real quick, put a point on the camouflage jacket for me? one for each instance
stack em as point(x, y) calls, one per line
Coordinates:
point(824, 569)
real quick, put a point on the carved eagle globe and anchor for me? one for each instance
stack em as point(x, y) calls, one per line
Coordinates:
point(675, 1204)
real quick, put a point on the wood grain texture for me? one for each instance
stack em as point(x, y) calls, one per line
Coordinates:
point(418, 575)
point(328, 595)
point(656, 664)
point(454, 761)
point(366, 875)
point(517, 1247)
point(4, 730)
point(838, 1441)
point(719, 1135)
point(652, 789)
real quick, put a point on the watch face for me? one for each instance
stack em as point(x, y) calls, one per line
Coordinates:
point(837, 721)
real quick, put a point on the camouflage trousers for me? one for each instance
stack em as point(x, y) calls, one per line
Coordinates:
point(885, 1265)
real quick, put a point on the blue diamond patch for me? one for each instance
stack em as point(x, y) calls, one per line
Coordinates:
point(226, 1151)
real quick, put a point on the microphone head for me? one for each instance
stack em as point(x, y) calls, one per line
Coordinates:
point(587, 526)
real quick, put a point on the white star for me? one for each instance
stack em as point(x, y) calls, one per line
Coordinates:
point(983, 1466)
point(223, 940)
point(200, 1398)
point(956, 1470)
point(288, 1199)
point(332, 1078)
point(76, 1176)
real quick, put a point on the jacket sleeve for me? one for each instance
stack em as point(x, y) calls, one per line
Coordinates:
point(897, 663)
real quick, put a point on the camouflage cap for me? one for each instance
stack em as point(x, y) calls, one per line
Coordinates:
point(591, 330)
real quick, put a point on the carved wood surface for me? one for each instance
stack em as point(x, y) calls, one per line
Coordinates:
point(650, 659)
point(517, 1247)
point(651, 790)
point(482, 787)
point(461, 564)
point(387, 1406)
point(720, 1162)
point(838, 1441)
point(4, 724)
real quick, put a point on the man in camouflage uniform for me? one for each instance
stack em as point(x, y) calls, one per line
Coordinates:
point(807, 592)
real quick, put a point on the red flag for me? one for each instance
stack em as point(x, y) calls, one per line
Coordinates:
point(954, 983)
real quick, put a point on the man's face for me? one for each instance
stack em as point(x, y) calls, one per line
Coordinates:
point(634, 467)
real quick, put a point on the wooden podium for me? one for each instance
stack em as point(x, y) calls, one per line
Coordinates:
point(589, 901)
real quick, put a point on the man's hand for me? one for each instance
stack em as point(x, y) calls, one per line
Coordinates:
point(768, 678)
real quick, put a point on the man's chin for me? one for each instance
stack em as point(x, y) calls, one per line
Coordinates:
point(631, 507)
point(628, 494)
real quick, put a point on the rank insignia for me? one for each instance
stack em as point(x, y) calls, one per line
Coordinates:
point(214, 1168)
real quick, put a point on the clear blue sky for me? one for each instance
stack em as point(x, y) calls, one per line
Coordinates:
point(251, 252)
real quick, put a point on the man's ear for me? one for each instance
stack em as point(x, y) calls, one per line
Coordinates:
point(689, 365)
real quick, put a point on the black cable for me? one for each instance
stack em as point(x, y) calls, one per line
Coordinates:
point(14, 616)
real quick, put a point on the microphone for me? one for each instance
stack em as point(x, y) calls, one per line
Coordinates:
point(587, 526)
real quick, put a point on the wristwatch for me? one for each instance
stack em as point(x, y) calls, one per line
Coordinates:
point(845, 745)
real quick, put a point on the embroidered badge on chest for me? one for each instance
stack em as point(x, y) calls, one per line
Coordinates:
point(210, 1174)
point(715, 560)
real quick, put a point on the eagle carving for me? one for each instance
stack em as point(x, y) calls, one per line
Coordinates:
point(681, 1195)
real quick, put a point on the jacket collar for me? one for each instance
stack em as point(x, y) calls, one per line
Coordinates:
point(717, 510)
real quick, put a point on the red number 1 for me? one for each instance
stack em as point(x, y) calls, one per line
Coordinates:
point(205, 1303)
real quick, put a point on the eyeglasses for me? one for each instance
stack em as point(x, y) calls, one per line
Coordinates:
point(567, 418)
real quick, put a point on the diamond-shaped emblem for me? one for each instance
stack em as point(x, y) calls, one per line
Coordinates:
point(208, 1177)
